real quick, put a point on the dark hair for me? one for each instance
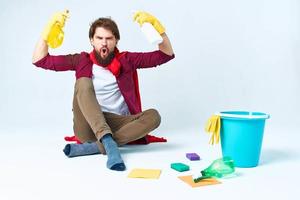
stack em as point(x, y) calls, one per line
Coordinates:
point(106, 23)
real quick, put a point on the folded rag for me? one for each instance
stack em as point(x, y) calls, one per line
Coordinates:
point(87, 148)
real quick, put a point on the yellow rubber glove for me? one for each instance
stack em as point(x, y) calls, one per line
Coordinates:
point(142, 17)
point(213, 126)
point(53, 33)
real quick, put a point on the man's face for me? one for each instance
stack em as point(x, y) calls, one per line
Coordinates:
point(104, 42)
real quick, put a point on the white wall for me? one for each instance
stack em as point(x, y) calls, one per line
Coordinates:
point(230, 55)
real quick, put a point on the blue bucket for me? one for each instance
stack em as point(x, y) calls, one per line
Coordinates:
point(241, 136)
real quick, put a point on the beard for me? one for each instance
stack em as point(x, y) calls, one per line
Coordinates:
point(104, 61)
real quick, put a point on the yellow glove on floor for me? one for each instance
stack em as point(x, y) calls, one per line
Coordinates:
point(53, 33)
point(142, 17)
point(213, 127)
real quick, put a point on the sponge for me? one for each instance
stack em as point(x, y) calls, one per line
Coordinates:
point(180, 167)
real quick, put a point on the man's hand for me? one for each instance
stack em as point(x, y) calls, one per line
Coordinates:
point(53, 32)
point(142, 17)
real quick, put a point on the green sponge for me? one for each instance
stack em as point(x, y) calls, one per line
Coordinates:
point(180, 167)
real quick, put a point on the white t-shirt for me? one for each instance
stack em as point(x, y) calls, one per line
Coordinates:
point(107, 91)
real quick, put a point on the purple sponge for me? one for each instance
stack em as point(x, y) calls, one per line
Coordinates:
point(193, 156)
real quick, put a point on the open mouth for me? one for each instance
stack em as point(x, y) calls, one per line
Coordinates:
point(103, 52)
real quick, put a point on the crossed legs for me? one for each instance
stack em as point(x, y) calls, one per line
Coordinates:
point(91, 124)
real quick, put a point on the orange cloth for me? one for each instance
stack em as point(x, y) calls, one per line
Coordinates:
point(189, 180)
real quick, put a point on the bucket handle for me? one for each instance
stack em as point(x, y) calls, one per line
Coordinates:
point(250, 116)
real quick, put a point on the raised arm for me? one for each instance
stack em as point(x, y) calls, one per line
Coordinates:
point(166, 46)
point(52, 35)
point(142, 17)
point(40, 50)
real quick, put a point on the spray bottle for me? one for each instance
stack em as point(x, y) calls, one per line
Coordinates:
point(151, 34)
point(56, 34)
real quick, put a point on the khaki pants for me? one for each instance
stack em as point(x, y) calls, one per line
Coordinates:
point(90, 123)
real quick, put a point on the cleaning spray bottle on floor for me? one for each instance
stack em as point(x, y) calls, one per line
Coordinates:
point(218, 169)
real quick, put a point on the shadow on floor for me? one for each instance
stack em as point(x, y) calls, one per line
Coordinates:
point(128, 149)
point(270, 156)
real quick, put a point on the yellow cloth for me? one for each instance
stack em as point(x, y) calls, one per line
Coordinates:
point(145, 173)
point(53, 33)
point(213, 127)
point(142, 17)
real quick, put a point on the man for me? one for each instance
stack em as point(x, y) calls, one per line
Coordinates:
point(106, 105)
